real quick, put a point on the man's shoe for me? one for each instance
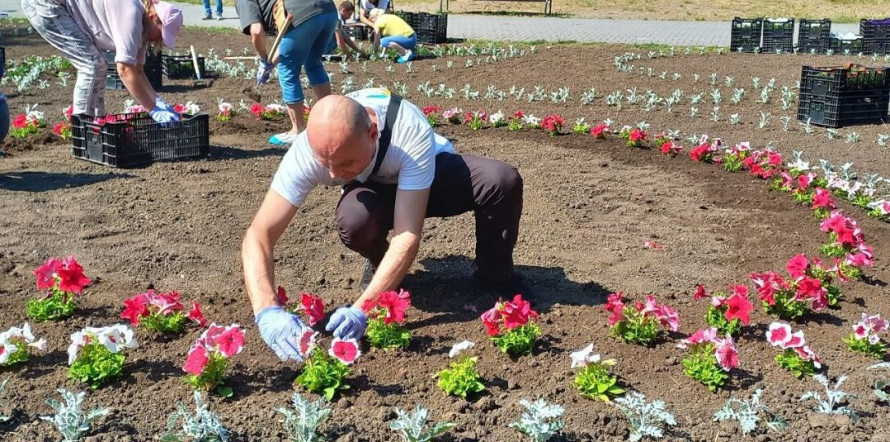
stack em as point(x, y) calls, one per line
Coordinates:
point(503, 290)
point(219, 17)
point(367, 275)
point(207, 17)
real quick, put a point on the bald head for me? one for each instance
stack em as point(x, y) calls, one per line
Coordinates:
point(341, 135)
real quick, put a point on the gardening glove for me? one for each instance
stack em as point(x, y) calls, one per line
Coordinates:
point(281, 331)
point(163, 113)
point(348, 323)
point(263, 72)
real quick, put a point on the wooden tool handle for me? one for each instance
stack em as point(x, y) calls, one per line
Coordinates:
point(195, 62)
point(273, 51)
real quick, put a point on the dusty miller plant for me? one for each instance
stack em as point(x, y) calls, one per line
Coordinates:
point(3, 418)
point(414, 427)
point(302, 426)
point(203, 426)
point(646, 419)
point(881, 384)
point(833, 398)
point(748, 413)
point(70, 419)
point(540, 421)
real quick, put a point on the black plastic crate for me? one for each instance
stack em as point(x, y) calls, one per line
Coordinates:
point(778, 36)
point(875, 35)
point(814, 36)
point(182, 67)
point(841, 46)
point(746, 33)
point(153, 71)
point(135, 139)
point(358, 31)
point(844, 96)
point(431, 28)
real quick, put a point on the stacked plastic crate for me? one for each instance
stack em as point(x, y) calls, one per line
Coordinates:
point(875, 35)
point(814, 36)
point(843, 96)
point(746, 34)
point(778, 36)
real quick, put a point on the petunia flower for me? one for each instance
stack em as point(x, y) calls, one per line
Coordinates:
point(345, 350)
point(456, 349)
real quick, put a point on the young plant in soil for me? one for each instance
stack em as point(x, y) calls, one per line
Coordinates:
point(323, 373)
point(865, 339)
point(3, 417)
point(70, 419)
point(96, 355)
point(461, 378)
point(540, 421)
point(594, 381)
point(15, 345)
point(160, 312)
point(710, 358)
point(432, 114)
point(882, 386)
point(415, 427)
point(386, 314)
point(834, 397)
point(64, 281)
point(204, 425)
point(310, 306)
point(639, 323)
point(208, 358)
point(797, 357)
point(303, 426)
point(646, 419)
point(727, 313)
point(552, 124)
point(512, 326)
point(747, 413)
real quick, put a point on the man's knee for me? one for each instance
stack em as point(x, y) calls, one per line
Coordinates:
point(506, 180)
point(358, 226)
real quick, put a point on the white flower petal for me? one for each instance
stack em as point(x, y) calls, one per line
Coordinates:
point(459, 347)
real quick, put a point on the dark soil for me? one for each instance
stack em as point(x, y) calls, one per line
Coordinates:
point(589, 206)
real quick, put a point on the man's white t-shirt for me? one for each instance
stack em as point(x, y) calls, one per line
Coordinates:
point(410, 160)
point(368, 6)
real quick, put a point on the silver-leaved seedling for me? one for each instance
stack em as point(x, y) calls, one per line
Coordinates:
point(303, 425)
point(833, 398)
point(646, 419)
point(202, 426)
point(70, 419)
point(415, 427)
point(540, 421)
point(881, 385)
point(748, 413)
point(3, 417)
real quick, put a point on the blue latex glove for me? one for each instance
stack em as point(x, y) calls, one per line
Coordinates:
point(281, 331)
point(348, 323)
point(263, 72)
point(163, 113)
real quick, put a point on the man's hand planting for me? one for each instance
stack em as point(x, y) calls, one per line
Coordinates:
point(281, 330)
point(348, 323)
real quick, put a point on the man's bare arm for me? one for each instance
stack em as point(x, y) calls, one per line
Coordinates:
point(257, 249)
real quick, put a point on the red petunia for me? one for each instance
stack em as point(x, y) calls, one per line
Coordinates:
point(395, 305)
point(281, 296)
point(71, 277)
point(313, 306)
point(135, 308)
point(738, 306)
point(491, 319)
point(517, 312)
point(46, 274)
point(699, 292)
point(195, 314)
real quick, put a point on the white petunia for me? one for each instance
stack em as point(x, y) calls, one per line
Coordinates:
point(459, 347)
point(6, 350)
point(584, 356)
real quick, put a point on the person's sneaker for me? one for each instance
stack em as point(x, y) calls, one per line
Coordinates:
point(406, 58)
point(503, 290)
point(367, 275)
point(219, 17)
point(207, 17)
point(284, 138)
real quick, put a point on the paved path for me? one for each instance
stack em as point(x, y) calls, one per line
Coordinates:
point(493, 27)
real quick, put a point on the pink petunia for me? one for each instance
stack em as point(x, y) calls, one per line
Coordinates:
point(797, 266)
point(230, 341)
point(46, 273)
point(739, 307)
point(346, 351)
point(196, 361)
point(313, 306)
point(491, 320)
point(517, 313)
point(307, 342)
point(727, 354)
point(778, 334)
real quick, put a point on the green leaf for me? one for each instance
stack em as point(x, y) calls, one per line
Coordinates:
point(225, 392)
